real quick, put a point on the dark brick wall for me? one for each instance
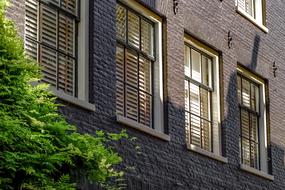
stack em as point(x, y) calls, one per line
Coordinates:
point(169, 165)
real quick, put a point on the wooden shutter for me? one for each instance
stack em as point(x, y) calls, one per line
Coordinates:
point(69, 6)
point(245, 137)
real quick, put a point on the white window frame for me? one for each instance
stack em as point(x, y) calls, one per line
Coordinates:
point(82, 99)
point(216, 130)
point(259, 11)
point(158, 111)
point(263, 128)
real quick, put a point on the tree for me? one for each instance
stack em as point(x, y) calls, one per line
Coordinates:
point(38, 148)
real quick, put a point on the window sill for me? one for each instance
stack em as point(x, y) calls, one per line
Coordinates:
point(207, 153)
point(73, 100)
point(252, 20)
point(142, 128)
point(256, 172)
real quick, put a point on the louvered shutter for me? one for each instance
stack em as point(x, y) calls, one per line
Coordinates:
point(69, 6)
point(120, 105)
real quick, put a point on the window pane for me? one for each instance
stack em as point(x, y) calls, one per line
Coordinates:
point(245, 151)
point(245, 93)
point(131, 103)
point(69, 5)
point(205, 104)
point(196, 65)
point(48, 26)
point(121, 22)
point(145, 108)
point(31, 49)
point(206, 135)
point(31, 24)
point(187, 127)
point(147, 37)
point(245, 123)
point(195, 130)
point(187, 95)
point(48, 61)
point(205, 70)
point(119, 84)
point(254, 128)
point(145, 75)
point(133, 29)
point(66, 32)
point(249, 7)
point(66, 74)
point(187, 61)
point(194, 99)
point(132, 69)
point(239, 88)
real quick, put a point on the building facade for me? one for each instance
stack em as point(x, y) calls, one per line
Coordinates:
point(200, 84)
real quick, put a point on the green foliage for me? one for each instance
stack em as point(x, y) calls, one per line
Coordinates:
point(38, 148)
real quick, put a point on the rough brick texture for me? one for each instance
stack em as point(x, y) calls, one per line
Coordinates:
point(169, 165)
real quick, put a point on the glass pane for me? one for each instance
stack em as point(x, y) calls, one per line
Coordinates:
point(245, 123)
point(194, 99)
point(132, 69)
point(147, 37)
point(254, 128)
point(195, 130)
point(120, 63)
point(205, 71)
point(31, 49)
point(48, 26)
point(196, 65)
point(145, 108)
point(253, 97)
point(31, 22)
point(66, 69)
point(257, 98)
point(121, 22)
point(120, 98)
point(206, 135)
point(145, 75)
point(187, 95)
point(246, 151)
point(254, 161)
point(245, 93)
point(69, 5)
point(205, 104)
point(48, 61)
point(187, 126)
point(131, 103)
point(249, 7)
point(133, 29)
point(66, 31)
point(187, 61)
point(239, 89)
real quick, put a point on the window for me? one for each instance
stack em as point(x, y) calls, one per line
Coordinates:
point(202, 104)
point(253, 128)
point(139, 94)
point(56, 36)
point(254, 10)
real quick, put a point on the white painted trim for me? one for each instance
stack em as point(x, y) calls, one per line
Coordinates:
point(83, 52)
point(142, 128)
point(207, 153)
point(251, 19)
point(256, 172)
point(73, 100)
